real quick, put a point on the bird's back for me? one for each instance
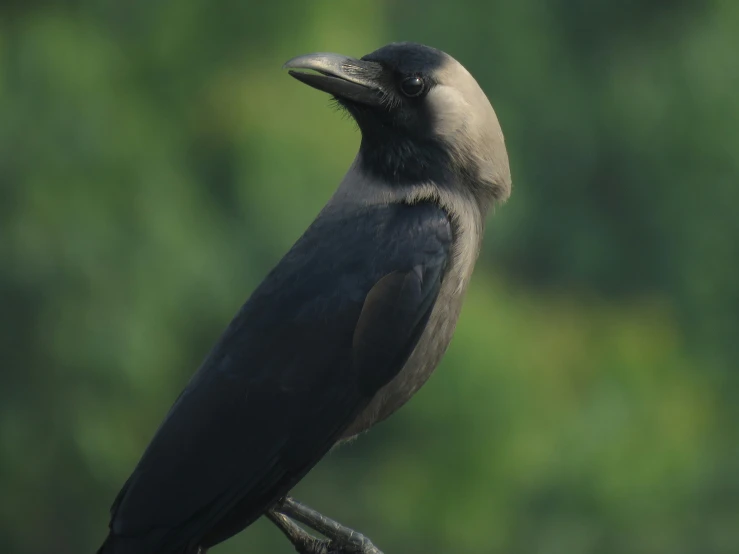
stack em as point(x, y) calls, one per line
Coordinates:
point(285, 380)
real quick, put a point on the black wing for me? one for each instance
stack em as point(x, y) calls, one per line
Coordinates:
point(330, 325)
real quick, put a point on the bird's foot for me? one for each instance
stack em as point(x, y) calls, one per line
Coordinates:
point(304, 542)
point(339, 538)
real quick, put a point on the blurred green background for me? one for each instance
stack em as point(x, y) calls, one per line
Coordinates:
point(155, 162)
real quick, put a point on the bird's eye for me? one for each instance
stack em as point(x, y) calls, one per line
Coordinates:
point(412, 86)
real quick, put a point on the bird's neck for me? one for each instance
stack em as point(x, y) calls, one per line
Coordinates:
point(407, 164)
point(399, 160)
point(360, 189)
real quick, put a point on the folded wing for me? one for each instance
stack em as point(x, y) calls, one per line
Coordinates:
point(330, 325)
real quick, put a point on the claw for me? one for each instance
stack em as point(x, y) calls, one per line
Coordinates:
point(341, 539)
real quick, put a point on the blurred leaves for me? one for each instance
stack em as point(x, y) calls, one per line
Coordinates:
point(155, 163)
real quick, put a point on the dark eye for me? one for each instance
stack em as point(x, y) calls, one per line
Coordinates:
point(412, 86)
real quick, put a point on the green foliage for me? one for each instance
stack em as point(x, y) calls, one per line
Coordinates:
point(589, 400)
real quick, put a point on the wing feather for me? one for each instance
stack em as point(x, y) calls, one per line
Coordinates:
point(330, 325)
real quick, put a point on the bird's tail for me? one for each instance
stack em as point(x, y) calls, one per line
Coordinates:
point(119, 545)
point(106, 547)
point(153, 542)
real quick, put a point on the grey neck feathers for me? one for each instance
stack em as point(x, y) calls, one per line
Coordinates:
point(466, 212)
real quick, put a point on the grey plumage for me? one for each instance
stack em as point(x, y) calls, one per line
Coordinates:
point(349, 324)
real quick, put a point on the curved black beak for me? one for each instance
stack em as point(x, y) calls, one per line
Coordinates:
point(341, 76)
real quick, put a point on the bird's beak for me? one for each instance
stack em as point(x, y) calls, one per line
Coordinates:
point(341, 76)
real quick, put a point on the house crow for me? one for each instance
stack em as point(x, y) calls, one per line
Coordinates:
point(349, 324)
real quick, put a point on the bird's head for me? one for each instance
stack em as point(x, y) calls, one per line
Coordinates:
point(423, 117)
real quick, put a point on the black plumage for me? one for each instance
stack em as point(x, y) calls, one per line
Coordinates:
point(297, 364)
point(349, 324)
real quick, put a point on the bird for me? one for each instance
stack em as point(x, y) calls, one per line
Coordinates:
point(349, 324)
